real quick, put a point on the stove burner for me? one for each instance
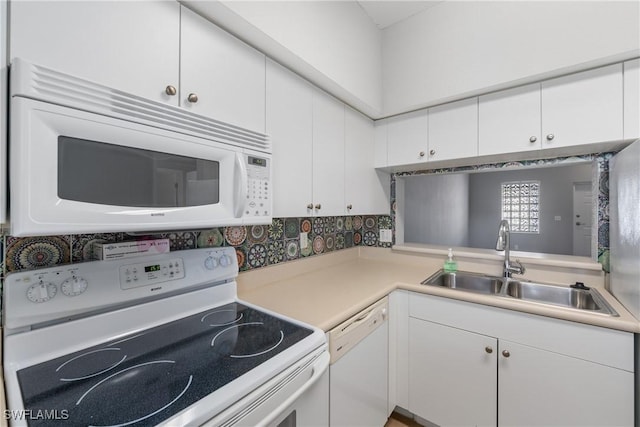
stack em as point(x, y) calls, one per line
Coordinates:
point(93, 360)
point(222, 317)
point(255, 342)
point(156, 385)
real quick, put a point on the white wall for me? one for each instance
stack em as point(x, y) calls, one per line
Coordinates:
point(334, 44)
point(462, 48)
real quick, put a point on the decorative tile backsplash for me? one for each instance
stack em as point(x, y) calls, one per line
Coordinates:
point(256, 245)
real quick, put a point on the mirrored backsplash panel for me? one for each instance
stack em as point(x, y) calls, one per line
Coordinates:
point(554, 206)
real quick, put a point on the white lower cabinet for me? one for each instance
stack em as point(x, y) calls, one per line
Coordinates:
point(452, 377)
point(476, 365)
point(542, 388)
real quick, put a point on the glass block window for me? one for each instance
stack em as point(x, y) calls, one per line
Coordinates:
point(521, 206)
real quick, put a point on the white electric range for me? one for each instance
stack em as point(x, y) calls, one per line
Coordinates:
point(156, 340)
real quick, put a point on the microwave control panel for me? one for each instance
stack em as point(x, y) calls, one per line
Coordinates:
point(258, 187)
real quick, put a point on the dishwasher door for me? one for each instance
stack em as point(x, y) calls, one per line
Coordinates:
point(358, 374)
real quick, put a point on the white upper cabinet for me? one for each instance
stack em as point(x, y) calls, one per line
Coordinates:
point(132, 46)
point(365, 188)
point(328, 155)
point(509, 121)
point(632, 99)
point(289, 124)
point(380, 156)
point(583, 108)
point(220, 76)
point(453, 130)
point(407, 138)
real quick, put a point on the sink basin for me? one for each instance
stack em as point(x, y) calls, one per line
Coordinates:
point(465, 281)
point(588, 300)
point(580, 299)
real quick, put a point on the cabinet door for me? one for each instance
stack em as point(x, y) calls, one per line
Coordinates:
point(509, 121)
point(132, 46)
point(328, 155)
point(380, 156)
point(453, 130)
point(226, 75)
point(407, 138)
point(582, 108)
point(452, 375)
point(541, 388)
point(365, 188)
point(289, 124)
point(632, 99)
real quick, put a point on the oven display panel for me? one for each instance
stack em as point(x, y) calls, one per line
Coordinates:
point(137, 275)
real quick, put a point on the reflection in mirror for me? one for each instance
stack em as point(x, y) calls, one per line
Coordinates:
point(551, 210)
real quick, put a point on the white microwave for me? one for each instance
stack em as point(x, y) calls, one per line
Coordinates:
point(85, 158)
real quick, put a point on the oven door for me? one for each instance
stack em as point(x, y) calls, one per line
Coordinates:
point(298, 396)
point(73, 172)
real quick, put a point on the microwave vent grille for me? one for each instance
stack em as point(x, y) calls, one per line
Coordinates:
point(40, 83)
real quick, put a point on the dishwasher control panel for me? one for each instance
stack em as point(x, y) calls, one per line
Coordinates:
point(345, 336)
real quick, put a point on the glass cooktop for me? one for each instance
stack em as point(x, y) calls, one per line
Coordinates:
point(145, 378)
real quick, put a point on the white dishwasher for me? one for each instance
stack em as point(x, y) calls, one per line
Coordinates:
point(358, 374)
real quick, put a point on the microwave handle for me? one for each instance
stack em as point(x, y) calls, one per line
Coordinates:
point(240, 176)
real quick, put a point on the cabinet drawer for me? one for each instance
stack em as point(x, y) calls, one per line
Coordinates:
point(601, 345)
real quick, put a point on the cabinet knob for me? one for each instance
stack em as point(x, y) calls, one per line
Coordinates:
point(506, 353)
point(318, 206)
point(488, 349)
point(422, 154)
point(192, 98)
point(432, 152)
point(349, 206)
point(533, 139)
point(550, 137)
point(170, 90)
point(310, 206)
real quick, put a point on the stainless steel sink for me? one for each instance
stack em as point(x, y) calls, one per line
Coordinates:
point(465, 281)
point(588, 299)
point(580, 299)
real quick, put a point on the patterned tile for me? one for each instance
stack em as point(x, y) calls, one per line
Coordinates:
point(26, 253)
point(370, 238)
point(275, 252)
point(258, 233)
point(291, 228)
point(357, 238)
point(329, 225)
point(256, 256)
point(348, 239)
point(329, 242)
point(384, 222)
point(81, 244)
point(276, 229)
point(181, 240)
point(370, 222)
point(340, 223)
point(357, 223)
point(348, 223)
point(340, 241)
point(318, 245)
point(210, 238)
point(235, 236)
point(292, 249)
point(241, 254)
point(318, 226)
point(306, 225)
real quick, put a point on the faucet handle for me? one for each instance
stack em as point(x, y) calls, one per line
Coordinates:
point(518, 268)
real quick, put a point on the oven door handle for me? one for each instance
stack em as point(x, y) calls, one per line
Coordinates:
point(240, 179)
point(319, 366)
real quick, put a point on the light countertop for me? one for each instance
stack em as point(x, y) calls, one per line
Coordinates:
point(326, 290)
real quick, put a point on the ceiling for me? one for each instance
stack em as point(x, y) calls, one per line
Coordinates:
point(384, 13)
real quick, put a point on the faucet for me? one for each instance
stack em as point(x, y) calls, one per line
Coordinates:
point(502, 244)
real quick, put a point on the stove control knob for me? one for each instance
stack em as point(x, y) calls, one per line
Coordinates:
point(74, 286)
point(210, 263)
point(41, 291)
point(225, 260)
